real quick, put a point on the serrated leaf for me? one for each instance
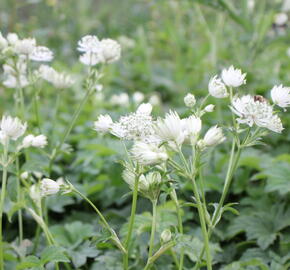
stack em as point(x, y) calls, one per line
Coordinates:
point(29, 262)
point(53, 254)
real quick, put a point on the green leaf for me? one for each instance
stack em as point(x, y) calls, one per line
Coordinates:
point(53, 254)
point(29, 262)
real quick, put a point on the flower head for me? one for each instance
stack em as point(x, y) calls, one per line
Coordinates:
point(209, 108)
point(170, 128)
point(103, 124)
point(233, 77)
point(191, 127)
point(49, 187)
point(280, 19)
point(39, 141)
point(256, 110)
point(110, 50)
point(281, 96)
point(90, 58)
point(138, 97)
point(120, 99)
point(25, 46)
point(213, 137)
point(189, 100)
point(148, 153)
point(217, 88)
point(41, 54)
point(89, 43)
point(12, 128)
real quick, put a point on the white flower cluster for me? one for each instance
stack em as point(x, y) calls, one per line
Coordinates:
point(230, 77)
point(256, 110)
point(57, 79)
point(25, 48)
point(97, 51)
point(13, 128)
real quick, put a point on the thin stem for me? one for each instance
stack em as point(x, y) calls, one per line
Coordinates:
point(20, 221)
point(2, 199)
point(104, 221)
point(131, 224)
point(152, 236)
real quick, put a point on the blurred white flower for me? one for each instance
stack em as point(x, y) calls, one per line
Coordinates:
point(12, 38)
point(48, 187)
point(191, 127)
point(24, 175)
point(144, 108)
point(148, 154)
point(89, 43)
point(120, 99)
point(256, 110)
point(155, 100)
point(37, 174)
point(138, 97)
point(13, 82)
point(166, 236)
point(209, 108)
point(213, 137)
point(39, 141)
point(3, 42)
point(58, 80)
point(217, 88)
point(126, 42)
point(12, 128)
point(281, 19)
point(25, 46)
point(170, 128)
point(103, 124)
point(189, 100)
point(110, 50)
point(99, 87)
point(281, 96)
point(41, 54)
point(27, 141)
point(90, 58)
point(233, 77)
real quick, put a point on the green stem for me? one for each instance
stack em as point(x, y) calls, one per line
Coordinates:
point(104, 221)
point(20, 221)
point(69, 128)
point(152, 236)
point(131, 224)
point(2, 199)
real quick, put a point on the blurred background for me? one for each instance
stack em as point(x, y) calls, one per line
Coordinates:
point(169, 48)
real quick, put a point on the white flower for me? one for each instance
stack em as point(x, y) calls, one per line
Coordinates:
point(191, 127)
point(13, 82)
point(189, 100)
point(103, 124)
point(25, 46)
point(49, 187)
point(148, 154)
point(280, 19)
point(154, 100)
point(89, 43)
point(35, 193)
point(99, 87)
point(27, 141)
point(3, 42)
point(170, 128)
point(37, 174)
point(233, 77)
point(121, 99)
point(281, 96)
point(209, 108)
point(145, 108)
point(110, 50)
point(126, 42)
point(138, 97)
point(39, 141)
point(58, 80)
point(166, 236)
point(12, 128)
point(90, 58)
point(41, 54)
point(213, 136)
point(135, 126)
point(12, 38)
point(24, 175)
point(217, 88)
point(256, 110)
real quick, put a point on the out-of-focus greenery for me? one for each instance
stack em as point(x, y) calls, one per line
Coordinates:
point(176, 47)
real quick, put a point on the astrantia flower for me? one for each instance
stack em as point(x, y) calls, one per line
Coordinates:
point(281, 96)
point(121, 99)
point(148, 153)
point(12, 38)
point(233, 77)
point(25, 46)
point(213, 137)
point(135, 126)
point(191, 127)
point(138, 97)
point(89, 43)
point(110, 50)
point(217, 88)
point(256, 110)
point(12, 128)
point(103, 124)
point(41, 54)
point(49, 187)
point(170, 128)
point(57, 79)
point(90, 58)
point(280, 19)
point(39, 141)
point(13, 82)
point(189, 100)
point(3, 42)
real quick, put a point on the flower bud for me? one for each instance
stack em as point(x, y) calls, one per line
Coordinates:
point(24, 175)
point(209, 108)
point(49, 187)
point(189, 100)
point(166, 236)
point(214, 136)
point(217, 88)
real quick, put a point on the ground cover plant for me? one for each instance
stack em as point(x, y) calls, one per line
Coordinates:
point(149, 136)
